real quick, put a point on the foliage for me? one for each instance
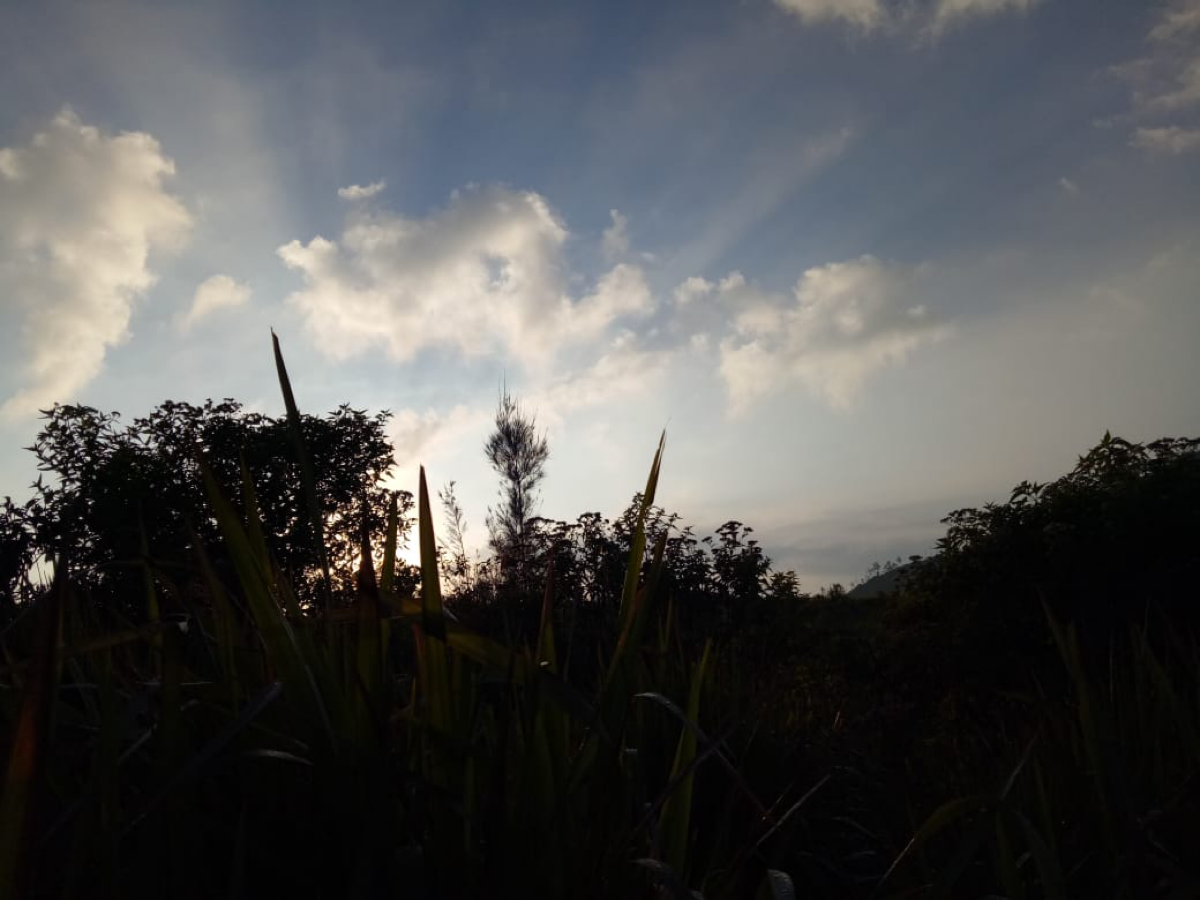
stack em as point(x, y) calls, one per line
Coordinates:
point(119, 495)
point(668, 716)
point(518, 454)
point(243, 748)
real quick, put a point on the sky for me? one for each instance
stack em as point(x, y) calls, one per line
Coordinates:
point(866, 261)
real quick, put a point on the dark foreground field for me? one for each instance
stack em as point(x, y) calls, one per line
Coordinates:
point(227, 686)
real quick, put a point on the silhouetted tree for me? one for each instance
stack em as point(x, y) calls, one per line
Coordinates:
point(456, 566)
point(114, 495)
point(518, 454)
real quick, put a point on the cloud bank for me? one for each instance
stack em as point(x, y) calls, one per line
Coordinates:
point(483, 275)
point(848, 320)
point(80, 213)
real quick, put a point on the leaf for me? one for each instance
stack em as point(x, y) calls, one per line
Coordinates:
point(665, 875)
point(33, 725)
point(276, 632)
point(193, 766)
point(638, 543)
point(946, 814)
point(308, 480)
point(388, 575)
point(675, 822)
point(777, 886)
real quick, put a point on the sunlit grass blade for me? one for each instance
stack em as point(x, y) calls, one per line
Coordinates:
point(638, 542)
point(435, 677)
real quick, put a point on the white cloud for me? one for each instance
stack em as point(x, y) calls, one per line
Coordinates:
point(80, 212)
point(1184, 90)
point(484, 275)
point(864, 14)
point(1171, 139)
point(1178, 20)
point(947, 13)
point(215, 292)
point(849, 319)
point(362, 192)
point(615, 241)
point(1068, 186)
point(1166, 81)
point(932, 18)
point(624, 369)
point(691, 289)
point(420, 437)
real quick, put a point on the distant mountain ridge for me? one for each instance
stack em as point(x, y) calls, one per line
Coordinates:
point(882, 585)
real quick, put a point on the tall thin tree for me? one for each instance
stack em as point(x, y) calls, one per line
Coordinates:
point(518, 453)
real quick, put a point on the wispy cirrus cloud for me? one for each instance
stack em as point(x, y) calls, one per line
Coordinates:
point(1170, 139)
point(1165, 81)
point(930, 18)
point(80, 213)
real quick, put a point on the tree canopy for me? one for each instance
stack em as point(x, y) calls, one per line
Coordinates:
point(113, 494)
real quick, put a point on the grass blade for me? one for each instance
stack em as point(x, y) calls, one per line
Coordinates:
point(33, 724)
point(307, 478)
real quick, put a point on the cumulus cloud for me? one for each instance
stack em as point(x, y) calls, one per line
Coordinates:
point(624, 369)
point(615, 240)
point(423, 436)
point(215, 292)
point(80, 213)
point(360, 191)
point(483, 275)
point(691, 289)
point(847, 321)
point(1171, 140)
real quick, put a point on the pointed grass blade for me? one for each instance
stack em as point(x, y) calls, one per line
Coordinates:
point(435, 676)
point(307, 478)
point(387, 576)
point(279, 640)
point(194, 765)
point(638, 544)
point(675, 821)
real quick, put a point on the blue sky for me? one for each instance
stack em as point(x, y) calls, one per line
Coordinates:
point(867, 261)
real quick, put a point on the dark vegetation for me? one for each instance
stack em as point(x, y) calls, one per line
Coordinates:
point(219, 681)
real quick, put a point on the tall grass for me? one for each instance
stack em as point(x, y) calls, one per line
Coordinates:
point(234, 744)
point(1104, 798)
